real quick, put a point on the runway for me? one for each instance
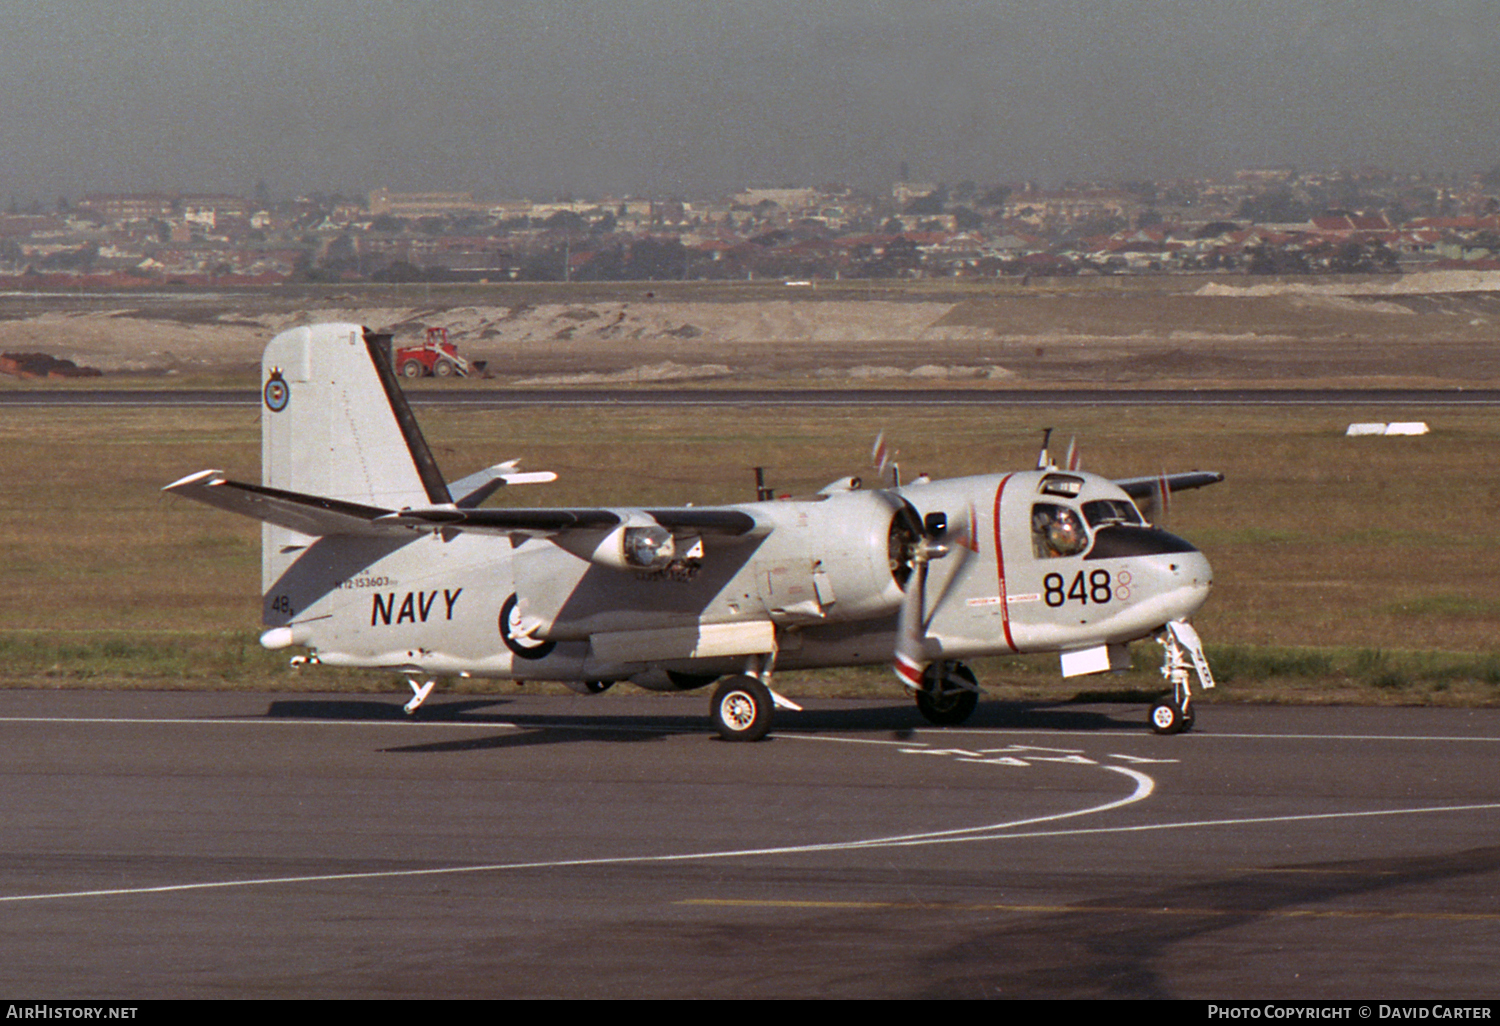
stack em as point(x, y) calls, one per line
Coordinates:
point(251, 845)
point(501, 398)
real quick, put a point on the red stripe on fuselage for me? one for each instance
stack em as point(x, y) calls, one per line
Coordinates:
point(1000, 565)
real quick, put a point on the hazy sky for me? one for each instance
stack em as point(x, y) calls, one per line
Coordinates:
point(698, 97)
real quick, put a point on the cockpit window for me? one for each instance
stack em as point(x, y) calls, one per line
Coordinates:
point(1111, 511)
point(1056, 531)
point(1065, 485)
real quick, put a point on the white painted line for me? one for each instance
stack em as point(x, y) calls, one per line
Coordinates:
point(1144, 786)
point(1198, 824)
point(406, 724)
point(1200, 737)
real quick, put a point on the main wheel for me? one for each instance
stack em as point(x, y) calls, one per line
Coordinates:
point(1167, 718)
point(598, 687)
point(444, 368)
point(411, 368)
point(943, 704)
point(741, 709)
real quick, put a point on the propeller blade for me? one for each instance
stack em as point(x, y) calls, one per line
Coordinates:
point(1159, 503)
point(909, 659)
point(963, 546)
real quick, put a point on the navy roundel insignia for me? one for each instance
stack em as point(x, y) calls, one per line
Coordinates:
point(511, 632)
point(277, 393)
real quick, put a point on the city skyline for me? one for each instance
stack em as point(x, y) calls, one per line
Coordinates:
point(660, 97)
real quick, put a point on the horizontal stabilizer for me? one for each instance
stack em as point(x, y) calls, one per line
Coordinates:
point(311, 515)
point(469, 492)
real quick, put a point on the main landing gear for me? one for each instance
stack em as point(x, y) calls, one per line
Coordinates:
point(949, 694)
point(741, 709)
point(742, 706)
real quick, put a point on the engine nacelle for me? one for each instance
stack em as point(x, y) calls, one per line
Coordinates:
point(641, 546)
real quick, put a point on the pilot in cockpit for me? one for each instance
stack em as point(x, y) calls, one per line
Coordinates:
point(1056, 531)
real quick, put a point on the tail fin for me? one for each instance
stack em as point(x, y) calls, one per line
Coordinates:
point(336, 424)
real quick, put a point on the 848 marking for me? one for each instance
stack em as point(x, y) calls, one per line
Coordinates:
point(1097, 588)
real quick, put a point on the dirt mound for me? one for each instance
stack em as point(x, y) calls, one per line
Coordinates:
point(1424, 283)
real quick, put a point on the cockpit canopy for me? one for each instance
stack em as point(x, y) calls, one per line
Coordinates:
point(1098, 528)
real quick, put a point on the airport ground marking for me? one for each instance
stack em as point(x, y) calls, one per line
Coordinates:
point(1145, 786)
point(1153, 910)
point(1203, 823)
point(915, 840)
point(1143, 789)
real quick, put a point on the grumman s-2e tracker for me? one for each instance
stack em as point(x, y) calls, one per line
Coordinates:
point(371, 559)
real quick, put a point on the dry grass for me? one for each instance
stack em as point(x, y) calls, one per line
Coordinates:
point(1361, 569)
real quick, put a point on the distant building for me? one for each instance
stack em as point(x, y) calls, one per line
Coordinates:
point(1068, 206)
point(208, 210)
point(129, 206)
point(902, 193)
point(786, 199)
point(1265, 175)
point(423, 204)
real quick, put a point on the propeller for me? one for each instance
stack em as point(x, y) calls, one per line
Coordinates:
point(882, 457)
point(1157, 506)
point(929, 541)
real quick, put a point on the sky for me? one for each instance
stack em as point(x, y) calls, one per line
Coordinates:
point(699, 98)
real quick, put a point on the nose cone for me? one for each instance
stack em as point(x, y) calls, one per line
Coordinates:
point(1193, 577)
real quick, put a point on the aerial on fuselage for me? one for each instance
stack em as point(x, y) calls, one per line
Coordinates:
point(371, 558)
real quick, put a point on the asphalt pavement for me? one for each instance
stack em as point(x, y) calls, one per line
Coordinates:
point(257, 845)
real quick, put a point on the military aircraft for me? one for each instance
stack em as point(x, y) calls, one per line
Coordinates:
point(370, 558)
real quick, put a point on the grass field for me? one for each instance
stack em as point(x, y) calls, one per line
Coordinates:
point(1345, 569)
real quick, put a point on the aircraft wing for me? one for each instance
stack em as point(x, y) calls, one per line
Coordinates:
point(317, 516)
point(730, 522)
point(1143, 487)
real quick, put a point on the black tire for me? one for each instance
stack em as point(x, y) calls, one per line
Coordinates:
point(741, 709)
point(412, 369)
point(951, 709)
point(1167, 718)
point(598, 687)
point(444, 369)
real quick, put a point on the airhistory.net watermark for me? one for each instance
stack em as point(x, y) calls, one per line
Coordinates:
point(45, 1010)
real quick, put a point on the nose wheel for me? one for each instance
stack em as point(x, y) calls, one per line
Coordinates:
point(1168, 716)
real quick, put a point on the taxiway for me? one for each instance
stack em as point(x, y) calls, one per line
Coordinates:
point(253, 845)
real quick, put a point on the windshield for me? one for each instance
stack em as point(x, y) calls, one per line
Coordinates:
point(1111, 511)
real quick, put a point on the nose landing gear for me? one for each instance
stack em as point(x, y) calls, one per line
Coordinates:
point(1182, 658)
